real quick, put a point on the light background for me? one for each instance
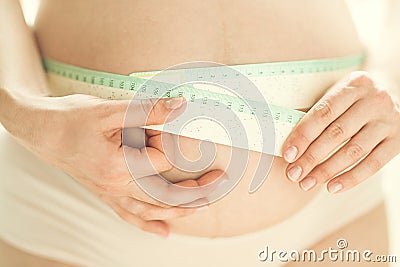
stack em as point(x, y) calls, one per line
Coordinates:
point(378, 24)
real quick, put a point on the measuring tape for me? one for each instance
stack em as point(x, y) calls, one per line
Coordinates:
point(67, 79)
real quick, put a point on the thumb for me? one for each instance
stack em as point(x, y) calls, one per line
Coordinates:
point(141, 112)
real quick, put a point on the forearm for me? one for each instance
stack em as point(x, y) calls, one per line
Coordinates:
point(22, 78)
point(20, 65)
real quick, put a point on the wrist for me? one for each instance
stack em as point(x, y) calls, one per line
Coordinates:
point(19, 115)
point(7, 107)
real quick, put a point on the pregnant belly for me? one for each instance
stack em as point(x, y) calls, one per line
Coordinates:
point(239, 211)
point(125, 38)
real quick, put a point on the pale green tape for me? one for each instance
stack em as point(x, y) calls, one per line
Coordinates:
point(138, 82)
point(234, 103)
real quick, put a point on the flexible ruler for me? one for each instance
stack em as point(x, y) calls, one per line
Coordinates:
point(248, 109)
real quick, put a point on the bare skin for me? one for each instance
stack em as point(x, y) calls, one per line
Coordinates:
point(39, 122)
point(223, 35)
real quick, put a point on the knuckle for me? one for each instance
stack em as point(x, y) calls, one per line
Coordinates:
point(352, 178)
point(336, 131)
point(354, 151)
point(310, 159)
point(323, 173)
point(383, 98)
point(355, 92)
point(300, 136)
point(361, 79)
point(346, 90)
point(373, 165)
point(324, 111)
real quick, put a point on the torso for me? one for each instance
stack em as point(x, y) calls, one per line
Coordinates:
point(151, 35)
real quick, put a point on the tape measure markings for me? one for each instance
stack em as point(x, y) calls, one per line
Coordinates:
point(135, 82)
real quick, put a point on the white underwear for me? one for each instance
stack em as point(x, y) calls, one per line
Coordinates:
point(47, 213)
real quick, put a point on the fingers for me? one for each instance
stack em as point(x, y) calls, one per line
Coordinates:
point(139, 112)
point(130, 163)
point(182, 193)
point(357, 148)
point(151, 132)
point(149, 212)
point(340, 98)
point(357, 113)
point(164, 142)
point(211, 177)
point(381, 155)
point(143, 182)
point(150, 112)
point(155, 227)
point(121, 166)
point(346, 126)
point(145, 161)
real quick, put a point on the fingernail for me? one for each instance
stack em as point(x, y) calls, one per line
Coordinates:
point(335, 187)
point(174, 103)
point(290, 154)
point(294, 173)
point(308, 183)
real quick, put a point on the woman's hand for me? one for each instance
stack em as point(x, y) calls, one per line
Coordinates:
point(353, 110)
point(81, 135)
